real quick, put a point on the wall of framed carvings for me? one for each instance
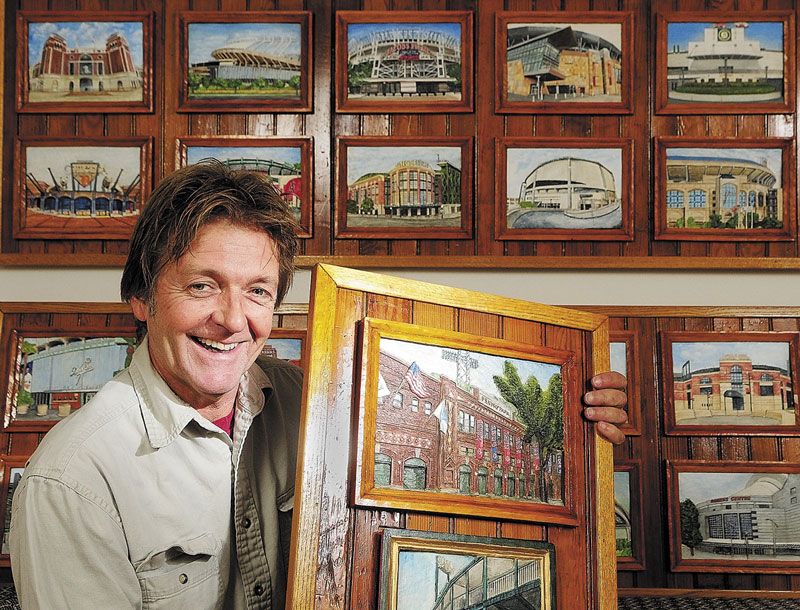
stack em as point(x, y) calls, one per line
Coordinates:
point(486, 122)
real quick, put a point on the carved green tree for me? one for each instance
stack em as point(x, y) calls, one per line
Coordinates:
point(690, 525)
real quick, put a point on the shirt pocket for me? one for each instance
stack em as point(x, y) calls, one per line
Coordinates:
point(186, 575)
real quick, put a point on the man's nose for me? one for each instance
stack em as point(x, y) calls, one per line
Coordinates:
point(229, 312)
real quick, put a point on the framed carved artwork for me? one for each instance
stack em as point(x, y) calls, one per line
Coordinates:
point(12, 467)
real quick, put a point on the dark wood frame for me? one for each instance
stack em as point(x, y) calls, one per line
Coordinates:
point(788, 179)
point(77, 228)
point(464, 230)
point(634, 406)
point(504, 19)
point(396, 540)
point(305, 145)
point(681, 564)
point(24, 18)
point(7, 462)
point(364, 490)
point(662, 104)
point(671, 427)
point(637, 561)
point(625, 190)
point(345, 18)
point(291, 333)
point(303, 104)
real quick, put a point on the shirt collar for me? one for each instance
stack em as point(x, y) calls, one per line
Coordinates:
point(165, 414)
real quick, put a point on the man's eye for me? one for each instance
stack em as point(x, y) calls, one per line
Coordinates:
point(199, 287)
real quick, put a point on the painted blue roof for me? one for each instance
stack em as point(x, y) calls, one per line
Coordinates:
point(721, 160)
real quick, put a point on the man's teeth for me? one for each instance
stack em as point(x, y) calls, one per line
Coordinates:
point(223, 347)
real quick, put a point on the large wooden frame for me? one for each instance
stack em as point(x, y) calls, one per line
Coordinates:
point(239, 103)
point(564, 105)
point(8, 465)
point(122, 211)
point(719, 399)
point(224, 147)
point(333, 544)
point(727, 23)
point(575, 224)
point(784, 148)
point(26, 19)
point(417, 102)
point(721, 500)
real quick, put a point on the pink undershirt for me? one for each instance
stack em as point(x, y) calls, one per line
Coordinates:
point(226, 423)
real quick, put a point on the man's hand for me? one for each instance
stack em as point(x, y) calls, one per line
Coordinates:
point(602, 405)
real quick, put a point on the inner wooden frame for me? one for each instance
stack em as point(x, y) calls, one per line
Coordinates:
point(245, 142)
point(637, 561)
point(625, 190)
point(671, 426)
point(733, 566)
point(332, 540)
point(396, 541)
point(662, 103)
point(59, 227)
point(367, 493)
point(25, 18)
point(634, 405)
point(260, 104)
point(504, 105)
point(7, 463)
point(462, 231)
point(787, 232)
point(427, 104)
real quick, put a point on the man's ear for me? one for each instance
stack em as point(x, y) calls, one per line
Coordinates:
point(140, 309)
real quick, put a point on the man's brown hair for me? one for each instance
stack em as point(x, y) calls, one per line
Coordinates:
point(192, 197)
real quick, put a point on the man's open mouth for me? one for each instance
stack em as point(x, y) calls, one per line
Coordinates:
point(215, 346)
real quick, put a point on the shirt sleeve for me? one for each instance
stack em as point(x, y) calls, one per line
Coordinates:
point(67, 551)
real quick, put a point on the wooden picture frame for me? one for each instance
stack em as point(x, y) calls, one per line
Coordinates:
point(288, 162)
point(79, 188)
point(763, 188)
point(118, 79)
point(543, 64)
point(734, 519)
point(600, 208)
point(288, 344)
point(381, 172)
point(724, 382)
point(11, 469)
point(519, 569)
point(629, 515)
point(627, 341)
point(330, 530)
point(274, 72)
point(420, 63)
point(692, 55)
point(108, 327)
point(409, 391)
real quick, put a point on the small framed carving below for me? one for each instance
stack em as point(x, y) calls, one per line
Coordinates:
point(84, 61)
point(79, 188)
point(11, 469)
point(286, 344)
point(286, 162)
point(725, 62)
point(628, 516)
point(724, 189)
point(443, 571)
point(403, 61)
point(564, 62)
point(404, 188)
point(244, 62)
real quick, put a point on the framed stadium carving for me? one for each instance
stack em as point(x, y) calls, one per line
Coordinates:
point(628, 516)
point(403, 61)
point(724, 189)
point(79, 188)
point(732, 383)
point(79, 62)
point(286, 162)
point(564, 189)
point(733, 516)
point(404, 188)
point(436, 570)
point(287, 344)
point(244, 62)
point(413, 384)
point(725, 62)
point(564, 62)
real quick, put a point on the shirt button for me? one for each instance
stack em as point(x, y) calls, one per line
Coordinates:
point(258, 589)
point(246, 522)
point(183, 579)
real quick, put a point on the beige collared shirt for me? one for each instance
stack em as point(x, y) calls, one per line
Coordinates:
point(129, 502)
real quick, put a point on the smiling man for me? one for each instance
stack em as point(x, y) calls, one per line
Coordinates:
point(173, 487)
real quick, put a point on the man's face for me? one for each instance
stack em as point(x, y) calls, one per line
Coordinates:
point(212, 312)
